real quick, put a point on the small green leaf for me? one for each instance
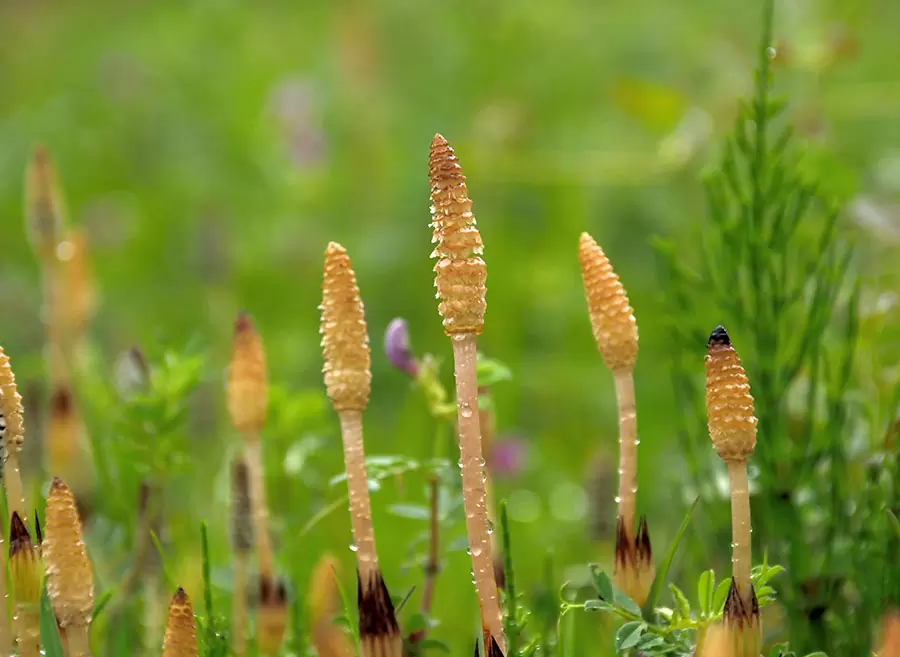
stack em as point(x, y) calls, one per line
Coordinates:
point(100, 605)
point(817, 654)
point(427, 644)
point(625, 603)
point(412, 511)
point(602, 583)
point(490, 372)
point(629, 635)
point(721, 595)
point(681, 601)
point(705, 591)
point(597, 605)
point(662, 572)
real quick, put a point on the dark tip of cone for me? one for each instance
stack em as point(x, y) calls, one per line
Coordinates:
point(58, 484)
point(180, 596)
point(376, 611)
point(718, 336)
point(243, 322)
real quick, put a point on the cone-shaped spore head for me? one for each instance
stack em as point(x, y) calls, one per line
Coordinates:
point(181, 632)
point(731, 418)
point(345, 340)
point(247, 384)
point(43, 205)
point(460, 273)
point(70, 580)
point(10, 407)
point(612, 319)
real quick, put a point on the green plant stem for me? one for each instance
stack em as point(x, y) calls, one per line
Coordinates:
point(433, 565)
point(511, 619)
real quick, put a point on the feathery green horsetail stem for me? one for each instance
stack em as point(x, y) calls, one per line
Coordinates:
point(615, 331)
point(460, 276)
point(247, 395)
point(25, 573)
point(13, 436)
point(348, 380)
point(242, 544)
point(70, 580)
point(181, 633)
point(732, 428)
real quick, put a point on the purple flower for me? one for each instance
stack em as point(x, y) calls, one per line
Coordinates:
point(397, 349)
point(507, 456)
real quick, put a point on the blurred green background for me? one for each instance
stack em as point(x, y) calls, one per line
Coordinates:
point(212, 149)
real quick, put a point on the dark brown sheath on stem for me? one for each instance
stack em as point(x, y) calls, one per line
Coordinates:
point(460, 277)
point(26, 576)
point(732, 429)
point(348, 380)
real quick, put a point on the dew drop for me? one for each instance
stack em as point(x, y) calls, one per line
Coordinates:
point(476, 552)
point(771, 53)
point(354, 547)
point(618, 499)
point(465, 409)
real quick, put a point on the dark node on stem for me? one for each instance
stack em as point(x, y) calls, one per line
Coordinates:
point(718, 336)
point(492, 648)
point(737, 613)
point(642, 542)
point(19, 538)
point(376, 611)
point(241, 511)
point(625, 553)
point(243, 322)
point(272, 593)
point(61, 402)
point(37, 528)
point(499, 571)
point(143, 498)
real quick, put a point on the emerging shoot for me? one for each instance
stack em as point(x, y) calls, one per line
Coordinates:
point(732, 428)
point(460, 276)
point(348, 377)
point(70, 580)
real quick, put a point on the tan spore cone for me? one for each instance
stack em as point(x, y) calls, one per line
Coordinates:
point(70, 580)
point(612, 318)
point(43, 205)
point(731, 418)
point(247, 384)
point(11, 406)
point(345, 341)
point(181, 632)
point(460, 273)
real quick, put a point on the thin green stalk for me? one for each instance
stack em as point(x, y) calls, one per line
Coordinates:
point(510, 619)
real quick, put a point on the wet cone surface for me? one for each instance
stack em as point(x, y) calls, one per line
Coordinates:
point(612, 319)
point(460, 273)
point(732, 423)
point(70, 580)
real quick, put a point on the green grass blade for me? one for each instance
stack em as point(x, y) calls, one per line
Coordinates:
point(895, 523)
point(662, 572)
point(50, 640)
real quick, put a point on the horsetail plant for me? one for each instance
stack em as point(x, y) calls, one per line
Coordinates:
point(70, 579)
point(26, 578)
point(181, 630)
point(13, 436)
point(460, 275)
point(241, 544)
point(732, 428)
point(247, 394)
point(348, 377)
point(615, 331)
point(272, 616)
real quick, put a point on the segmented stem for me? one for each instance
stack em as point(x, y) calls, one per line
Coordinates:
point(740, 528)
point(358, 489)
point(253, 452)
point(627, 450)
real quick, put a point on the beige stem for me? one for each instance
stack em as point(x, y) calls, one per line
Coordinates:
point(740, 528)
point(465, 352)
point(28, 629)
point(15, 498)
point(358, 489)
point(239, 606)
point(77, 638)
point(260, 509)
point(627, 450)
